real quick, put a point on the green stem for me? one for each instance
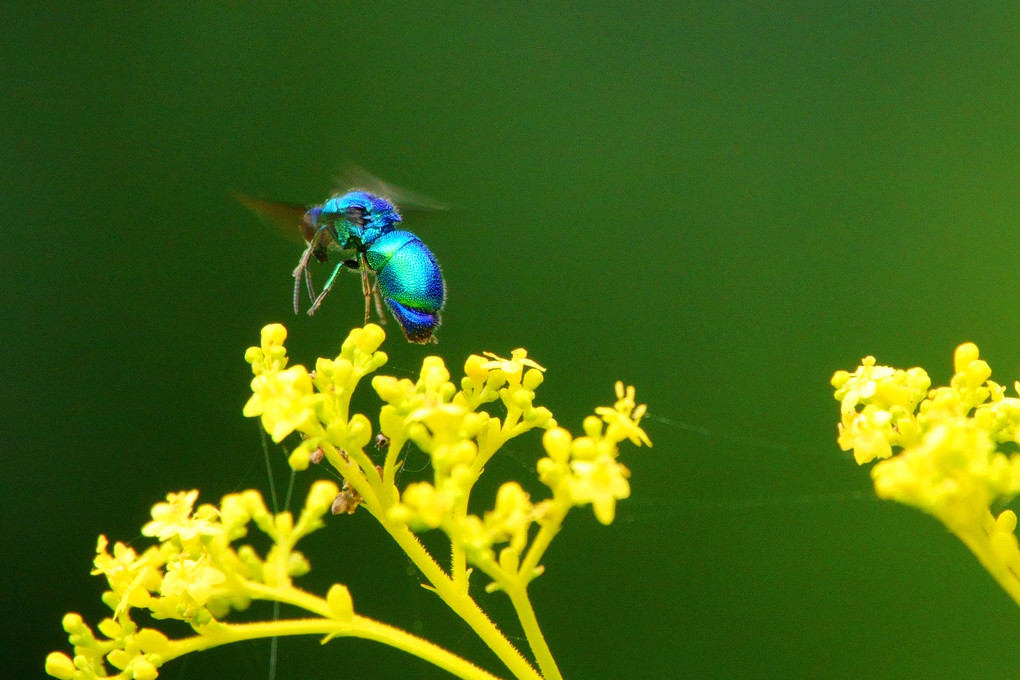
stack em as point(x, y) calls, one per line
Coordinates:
point(458, 564)
point(458, 557)
point(359, 626)
point(539, 647)
point(517, 588)
point(289, 595)
point(460, 602)
point(551, 525)
point(390, 467)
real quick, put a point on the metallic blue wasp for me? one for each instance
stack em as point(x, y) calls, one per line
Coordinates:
point(358, 226)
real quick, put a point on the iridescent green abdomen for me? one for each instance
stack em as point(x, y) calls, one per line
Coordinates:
point(409, 281)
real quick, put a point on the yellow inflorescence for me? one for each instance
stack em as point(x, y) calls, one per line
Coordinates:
point(197, 574)
point(940, 449)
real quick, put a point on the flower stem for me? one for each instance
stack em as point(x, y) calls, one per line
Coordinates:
point(359, 626)
point(460, 602)
point(522, 604)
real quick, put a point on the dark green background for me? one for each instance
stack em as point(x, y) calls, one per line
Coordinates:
point(719, 202)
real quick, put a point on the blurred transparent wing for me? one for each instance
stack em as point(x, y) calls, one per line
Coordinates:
point(288, 218)
point(354, 177)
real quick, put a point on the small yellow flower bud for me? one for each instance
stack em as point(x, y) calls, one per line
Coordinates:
point(152, 641)
point(340, 604)
point(532, 379)
point(510, 497)
point(390, 422)
point(419, 434)
point(549, 471)
point(298, 565)
point(539, 417)
point(324, 367)
point(965, 353)
point(119, 659)
point(299, 460)
point(110, 628)
point(144, 670)
point(1006, 521)
point(351, 341)
point(463, 453)
point(253, 503)
point(427, 505)
point(388, 388)
point(320, 497)
point(592, 427)
point(341, 371)
point(232, 511)
point(461, 479)
point(839, 378)
point(474, 369)
point(557, 444)
point(72, 623)
point(359, 431)
point(473, 424)
point(496, 379)
point(371, 339)
point(273, 334)
point(59, 666)
point(433, 372)
point(378, 359)
point(1005, 546)
point(978, 372)
point(522, 398)
point(918, 380)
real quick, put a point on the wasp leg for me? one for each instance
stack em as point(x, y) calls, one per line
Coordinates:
point(308, 284)
point(329, 285)
point(302, 268)
point(366, 288)
point(378, 302)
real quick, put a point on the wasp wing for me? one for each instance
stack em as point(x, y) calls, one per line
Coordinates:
point(354, 177)
point(288, 218)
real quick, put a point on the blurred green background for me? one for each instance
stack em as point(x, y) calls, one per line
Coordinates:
point(718, 202)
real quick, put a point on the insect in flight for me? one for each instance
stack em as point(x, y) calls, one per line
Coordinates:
point(358, 226)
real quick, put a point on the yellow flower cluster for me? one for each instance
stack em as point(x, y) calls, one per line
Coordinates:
point(585, 469)
point(313, 404)
point(446, 420)
point(939, 449)
point(195, 575)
